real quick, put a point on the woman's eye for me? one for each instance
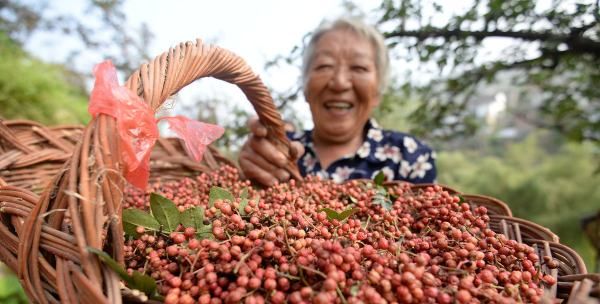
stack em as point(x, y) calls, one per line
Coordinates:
point(359, 68)
point(320, 67)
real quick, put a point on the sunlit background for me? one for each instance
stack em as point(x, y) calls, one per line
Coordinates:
point(512, 106)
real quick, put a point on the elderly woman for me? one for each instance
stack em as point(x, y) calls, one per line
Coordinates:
point(345, 72)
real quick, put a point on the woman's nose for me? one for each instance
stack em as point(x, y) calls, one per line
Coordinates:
point(340, 80)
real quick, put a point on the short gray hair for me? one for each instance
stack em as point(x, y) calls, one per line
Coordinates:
point(382, 60)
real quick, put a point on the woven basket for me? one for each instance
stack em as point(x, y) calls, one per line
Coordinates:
point(584, 288)
point(571, 266)
point(494, 206)
point(32, 154)
point(519, 229)
point(86, 184)
point(79, 171)
point(417, 187)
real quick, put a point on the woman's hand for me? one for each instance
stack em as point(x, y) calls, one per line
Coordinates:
point(260, 161)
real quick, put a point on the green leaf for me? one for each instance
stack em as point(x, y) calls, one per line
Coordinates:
point(333, 215)
point(219, 193)
point(205, 233)
point(383, 202)
point(133, 218)
point(243, 202)
point(355, 289)
point(462, 199)
point(366, 224)
point(112, 264)
point(164, 211)
point(381, 198)
point(9, 287)
point(139, 281)
point(379, 178)
point(348, 212)
point(144, 283)
point(193, 217)
point(243, 205)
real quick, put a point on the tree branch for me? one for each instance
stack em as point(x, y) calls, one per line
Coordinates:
point(478, 73)
point(577, 43)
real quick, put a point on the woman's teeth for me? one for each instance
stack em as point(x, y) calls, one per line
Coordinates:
point(338, 105)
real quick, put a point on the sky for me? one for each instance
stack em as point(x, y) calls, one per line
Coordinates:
point(256, 30)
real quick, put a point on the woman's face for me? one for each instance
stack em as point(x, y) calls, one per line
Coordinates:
point(342, 86)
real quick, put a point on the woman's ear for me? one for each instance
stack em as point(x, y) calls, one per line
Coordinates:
point(377, 100)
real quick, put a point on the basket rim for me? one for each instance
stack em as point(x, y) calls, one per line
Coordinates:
point(496, 202)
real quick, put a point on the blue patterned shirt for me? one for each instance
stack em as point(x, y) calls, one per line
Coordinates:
point(398, 155)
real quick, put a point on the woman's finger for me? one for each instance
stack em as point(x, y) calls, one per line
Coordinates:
point(268, 151)
point(299, 149)
point(256, 127)
point(256, 173)
point(258, 168)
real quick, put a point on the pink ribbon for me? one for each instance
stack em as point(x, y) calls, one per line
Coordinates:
point(137, 126)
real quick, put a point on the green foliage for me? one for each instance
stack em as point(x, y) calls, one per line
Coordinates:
point(379, 178)
point(243, 202)
point(553, 48)
point(133, 218)
point(555, 190)
point(382, 198)
point(395, 111)
point(340, 216)
point(165, 212)
point(218, 193)
point(164, 218)
point(31, 89)
point(193, 217)
point(10, 288)
point(98, 27)
point(136, 280)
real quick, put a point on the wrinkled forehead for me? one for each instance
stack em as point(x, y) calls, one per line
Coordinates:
point(344, 33)
point(346, 42)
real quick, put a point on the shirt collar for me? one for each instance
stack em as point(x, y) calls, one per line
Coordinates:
point(370, 126)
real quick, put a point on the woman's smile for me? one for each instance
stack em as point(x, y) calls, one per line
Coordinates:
point(338, 108)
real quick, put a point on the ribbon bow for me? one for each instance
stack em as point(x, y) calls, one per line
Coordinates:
point(137, 127)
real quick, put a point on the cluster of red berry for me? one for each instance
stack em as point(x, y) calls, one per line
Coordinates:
point(321, 242)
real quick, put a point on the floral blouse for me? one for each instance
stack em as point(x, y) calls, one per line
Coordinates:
point(398, 155)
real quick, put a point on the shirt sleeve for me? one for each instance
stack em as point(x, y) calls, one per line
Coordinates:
point(423, 168)
point(418, 161)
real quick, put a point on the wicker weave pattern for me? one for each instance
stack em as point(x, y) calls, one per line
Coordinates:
point(80, 169)
point(545, 242)
point(49, 256)
point(493, 205)
point(583, 288)
point(32, 154)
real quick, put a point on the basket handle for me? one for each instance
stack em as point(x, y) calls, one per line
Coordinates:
point(89, 189)
point(175, 69)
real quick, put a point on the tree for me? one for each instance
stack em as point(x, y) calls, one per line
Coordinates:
point(101, 28)
point(552, 46)
point(56, 93)
point(35, 90)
